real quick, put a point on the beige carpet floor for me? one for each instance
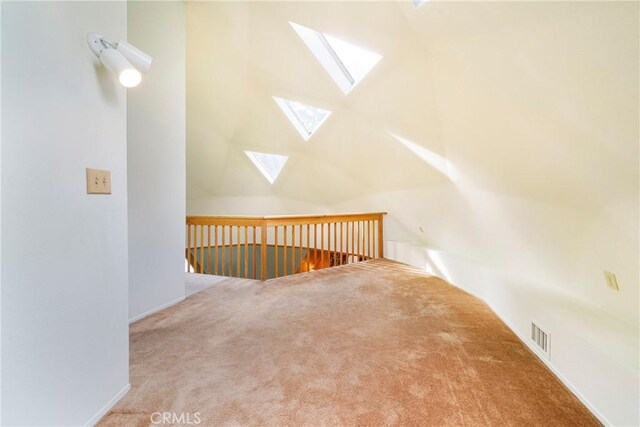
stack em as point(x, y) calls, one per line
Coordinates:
point(376, 343)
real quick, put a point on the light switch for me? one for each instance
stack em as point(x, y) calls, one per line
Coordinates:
point(98, 181)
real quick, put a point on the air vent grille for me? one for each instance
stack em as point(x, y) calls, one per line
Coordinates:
point(540, 338)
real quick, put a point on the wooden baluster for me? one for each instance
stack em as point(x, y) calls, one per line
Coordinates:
point(200, 258)
point(380, 237)
point(215, 250)
point(369, 251)
point(366, 237)
point(196, 255)
point(230, 251)
point(356, 225)
point(322, 245)
point(343, 243)
point(362, 240)
point(284, 255)
point(365, 243)
point(192, 249)
point(208, 249)
point(355, 241)
point(365, 227)
point(238, 247)
point(254, 253)
point(246, 252)
point(333, 246)
point(352, 247)
point(367, 240)
point(339, 244)
point(371, 248)
point(335, 240)
point(341, 239)
point(293, 249)
point(276, 247)
point(349, 242)
point(329, 238)
point(222, 255)
point(263, 250)
point(344, 229)
point(308, 245)
point(336, 245)
point(357, 252)
point(188, 250)
point(375, 239)
point(300, 242)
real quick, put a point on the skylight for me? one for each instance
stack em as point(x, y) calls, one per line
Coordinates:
point(418, 3)
point(305, 118)
point(270, 165)
point(346, 64)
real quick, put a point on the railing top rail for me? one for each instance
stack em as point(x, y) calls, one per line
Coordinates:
point(281, 219)
point(285, 216)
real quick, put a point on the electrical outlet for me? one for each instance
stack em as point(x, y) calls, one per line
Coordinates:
point(612, 282)
point(98, 181)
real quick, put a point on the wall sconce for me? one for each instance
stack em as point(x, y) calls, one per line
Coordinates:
point(123, 59)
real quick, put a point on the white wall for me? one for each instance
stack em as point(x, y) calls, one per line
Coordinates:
point(0, 211)
point(156, 159)
point(64, 279)
point(594, 353)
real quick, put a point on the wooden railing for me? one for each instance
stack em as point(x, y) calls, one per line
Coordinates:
point(275, 246)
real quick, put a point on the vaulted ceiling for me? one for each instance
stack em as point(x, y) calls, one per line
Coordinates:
point(497, 90)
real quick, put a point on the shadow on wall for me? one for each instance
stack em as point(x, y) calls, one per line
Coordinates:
point(106, 83)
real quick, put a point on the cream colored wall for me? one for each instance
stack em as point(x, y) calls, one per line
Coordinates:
point(533, 108)
point(156, 163)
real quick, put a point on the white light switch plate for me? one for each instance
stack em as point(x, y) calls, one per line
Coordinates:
point(98, 181)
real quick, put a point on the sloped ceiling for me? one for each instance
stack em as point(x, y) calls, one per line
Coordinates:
point(500, 90)
point(534, 105)
point(248, 53)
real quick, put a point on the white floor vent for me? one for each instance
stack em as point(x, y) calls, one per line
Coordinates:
point(540, 338)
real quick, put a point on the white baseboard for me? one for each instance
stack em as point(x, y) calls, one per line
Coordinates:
point(102, 412)
point(155, 310)
point(555, 371)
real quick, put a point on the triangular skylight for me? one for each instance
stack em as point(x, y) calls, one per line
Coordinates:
point(346, 64)
point(270, 165)
point(418, 3)
point(305, 118)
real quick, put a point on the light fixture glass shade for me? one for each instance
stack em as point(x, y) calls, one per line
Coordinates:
point(118, 64)
point(130, 78)
point(138, 58)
